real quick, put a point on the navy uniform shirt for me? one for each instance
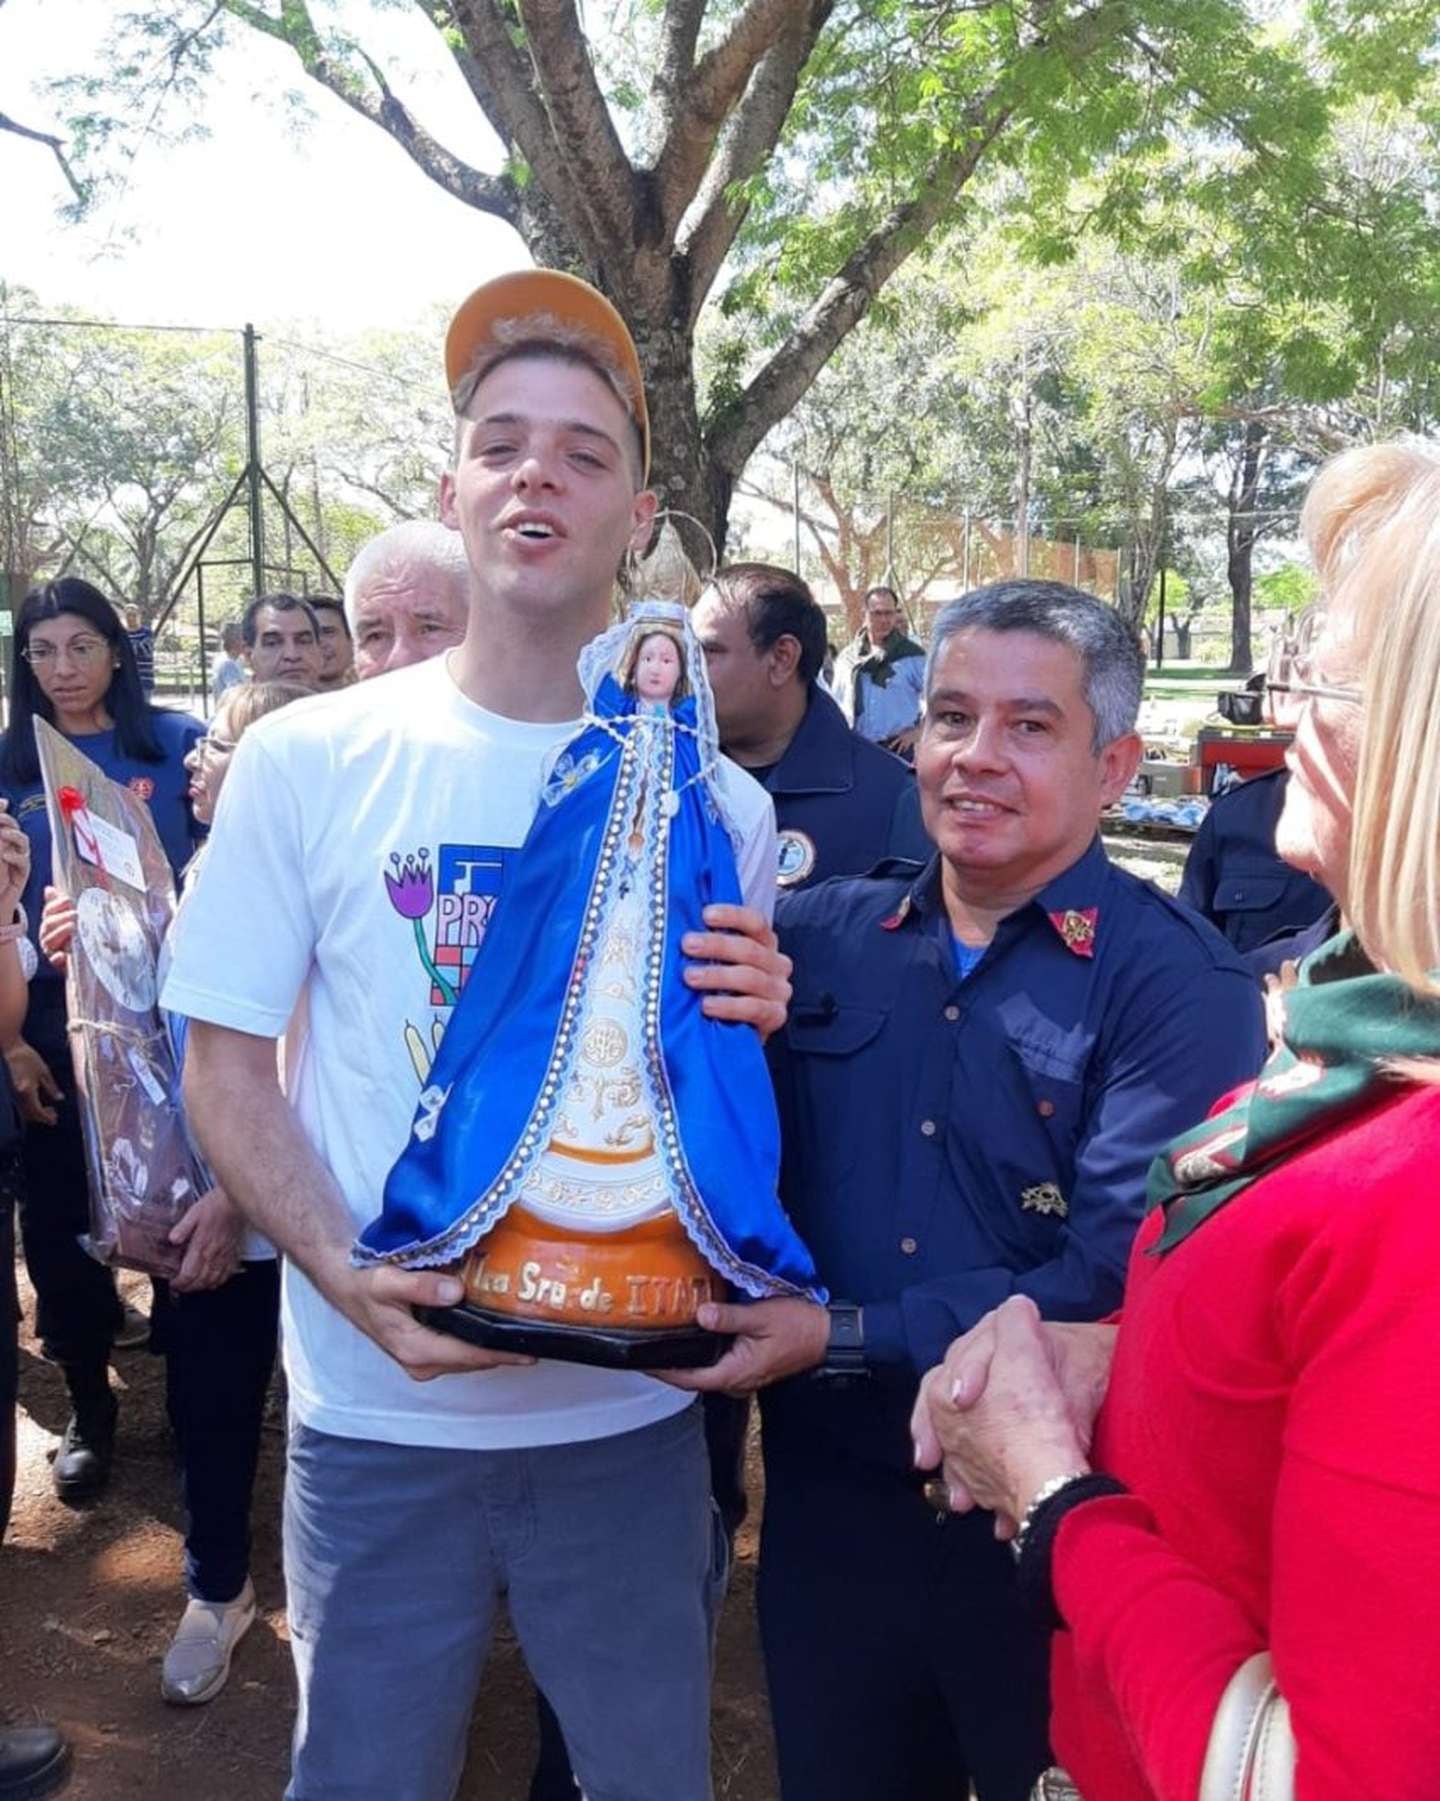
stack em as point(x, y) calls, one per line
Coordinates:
point(948, 1142)
point(842, 804)
point(1235, 877)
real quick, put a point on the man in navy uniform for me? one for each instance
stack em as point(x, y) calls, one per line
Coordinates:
point(1234, 875)
point(980, 1062)
point(841, 803)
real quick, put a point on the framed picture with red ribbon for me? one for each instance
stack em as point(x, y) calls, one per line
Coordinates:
point(109, 860)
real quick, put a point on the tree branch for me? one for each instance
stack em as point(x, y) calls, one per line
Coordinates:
point(517, 112)
point(471, 70)
point(711, 224)
point(722, 72)
point(675, 59)
point(779, 33)
point(55, 146)
point(845, 299)
point(296, 29)
point(579, 117)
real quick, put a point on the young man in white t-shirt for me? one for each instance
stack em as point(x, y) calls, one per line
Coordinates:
point(370, 831)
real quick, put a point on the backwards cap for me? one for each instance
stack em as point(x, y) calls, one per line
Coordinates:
point(564, 299)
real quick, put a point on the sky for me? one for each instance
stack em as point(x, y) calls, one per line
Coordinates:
point(266, 218)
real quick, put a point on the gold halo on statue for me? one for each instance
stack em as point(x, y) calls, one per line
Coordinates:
point(662, 569)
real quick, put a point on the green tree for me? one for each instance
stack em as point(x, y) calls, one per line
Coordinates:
point(153, 438)
point(778, 158)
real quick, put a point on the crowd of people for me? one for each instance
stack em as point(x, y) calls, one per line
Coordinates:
point(1121, 1393)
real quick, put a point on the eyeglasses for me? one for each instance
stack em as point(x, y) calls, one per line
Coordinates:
point(1310, 685)
point(81, 651)
point(212, 745)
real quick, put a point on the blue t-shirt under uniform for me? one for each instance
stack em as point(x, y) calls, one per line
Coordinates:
point(967, 956)
point(163, 786)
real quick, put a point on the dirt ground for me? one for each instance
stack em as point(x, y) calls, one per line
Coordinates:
point(89, 1597)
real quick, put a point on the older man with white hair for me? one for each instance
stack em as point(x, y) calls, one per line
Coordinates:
point(406, 596)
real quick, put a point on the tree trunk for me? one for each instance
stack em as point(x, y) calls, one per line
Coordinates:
point(1241, 531)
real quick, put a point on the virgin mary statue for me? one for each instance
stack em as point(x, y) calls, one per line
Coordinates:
point(598, 1153)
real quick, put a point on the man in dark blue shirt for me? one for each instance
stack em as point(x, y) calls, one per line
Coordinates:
point(982, 1057)
point(841, 803)
point(1235, 876)
point(142, 642)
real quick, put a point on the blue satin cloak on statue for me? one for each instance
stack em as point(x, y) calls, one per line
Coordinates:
point(502, 1067)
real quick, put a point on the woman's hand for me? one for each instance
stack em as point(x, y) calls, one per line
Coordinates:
point(210, 1232)
point(57, 927)
point(739, 967)
point(14, 863)
point(996, 1415)
point(1081, 1353)
point(34, 1084)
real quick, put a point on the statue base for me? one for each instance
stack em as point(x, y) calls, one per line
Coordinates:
point(695, 1349)
point(622, 1300)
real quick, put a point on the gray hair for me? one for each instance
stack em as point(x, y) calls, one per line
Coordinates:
point(422, 541)
point(1109, 650)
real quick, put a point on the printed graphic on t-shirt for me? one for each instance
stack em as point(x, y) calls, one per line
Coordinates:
point(448, 906)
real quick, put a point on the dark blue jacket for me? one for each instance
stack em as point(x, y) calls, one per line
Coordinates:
point(947, 1143)
point(841, 803)
point(1233, 874)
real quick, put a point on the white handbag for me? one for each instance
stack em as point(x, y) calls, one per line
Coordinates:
point(1251, 1754)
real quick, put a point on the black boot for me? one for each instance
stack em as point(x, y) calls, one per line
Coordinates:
point(82, 1464)
point(34, 1761)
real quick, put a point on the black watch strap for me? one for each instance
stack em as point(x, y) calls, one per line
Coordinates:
point(845, 1353)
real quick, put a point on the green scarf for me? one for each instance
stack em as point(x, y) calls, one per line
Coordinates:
point(1342, 1020)
point(878, 661)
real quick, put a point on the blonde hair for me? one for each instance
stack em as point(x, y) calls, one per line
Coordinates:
point(251, 701)
point(1372, 523)
point(639, 638)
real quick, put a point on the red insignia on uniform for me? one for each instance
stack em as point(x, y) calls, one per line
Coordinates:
point(1076, 925)
point(141, 785)
point(898, 917)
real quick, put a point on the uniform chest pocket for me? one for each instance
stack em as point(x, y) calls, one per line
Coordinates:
point(1049, 1067)
point(1249, 893)
point(835, 1078)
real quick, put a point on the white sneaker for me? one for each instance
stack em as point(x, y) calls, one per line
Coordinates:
point(198, 1661)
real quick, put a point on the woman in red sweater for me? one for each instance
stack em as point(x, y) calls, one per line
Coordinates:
point(1251, 1461)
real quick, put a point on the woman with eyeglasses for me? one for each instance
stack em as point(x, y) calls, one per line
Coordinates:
point(217, 1321)
point(74, 667)
point(1248, 1465)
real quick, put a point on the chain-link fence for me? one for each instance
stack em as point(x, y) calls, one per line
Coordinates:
point(181, 469)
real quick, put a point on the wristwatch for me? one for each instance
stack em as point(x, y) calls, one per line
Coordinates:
point(845, 1353)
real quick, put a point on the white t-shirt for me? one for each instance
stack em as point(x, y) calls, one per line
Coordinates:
point(361, 842)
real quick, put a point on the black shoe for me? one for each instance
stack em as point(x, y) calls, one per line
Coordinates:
point(82, 1464)
point(34, 1761)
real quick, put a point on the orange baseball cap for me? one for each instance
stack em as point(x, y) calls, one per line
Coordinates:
point(565, 298)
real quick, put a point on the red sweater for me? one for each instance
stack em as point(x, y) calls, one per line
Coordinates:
point(1275, 1408)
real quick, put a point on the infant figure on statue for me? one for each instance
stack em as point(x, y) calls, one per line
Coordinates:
point(597, 1154)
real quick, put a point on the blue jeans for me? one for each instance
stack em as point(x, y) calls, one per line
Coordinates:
point(612, 1559)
